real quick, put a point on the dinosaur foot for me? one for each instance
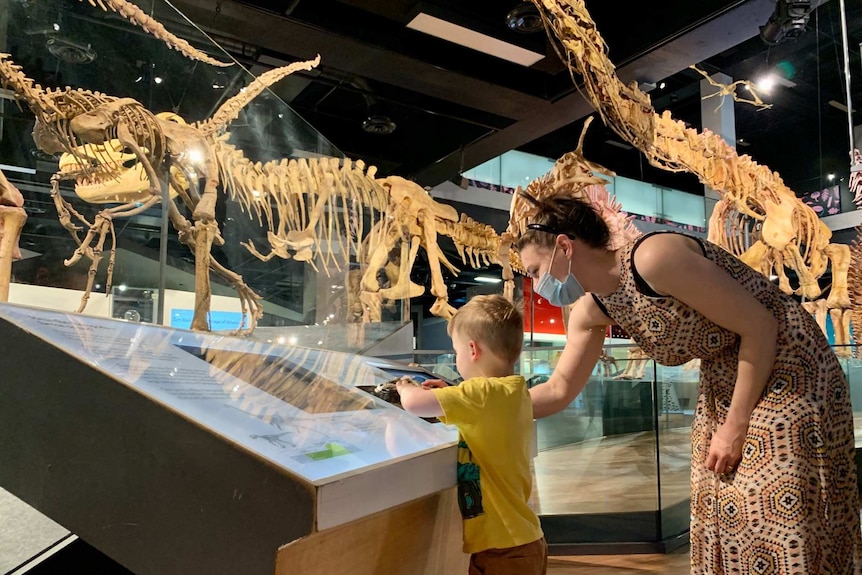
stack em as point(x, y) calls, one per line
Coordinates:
point(399, 291)
point(441, 308)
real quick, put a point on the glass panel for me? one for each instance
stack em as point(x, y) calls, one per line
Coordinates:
point(678, 389)
point(598, 455)
point(682, 208)
point(519, 168)
point(60, 44)
point(487, 172)
point(636, 197)
point(296, 407)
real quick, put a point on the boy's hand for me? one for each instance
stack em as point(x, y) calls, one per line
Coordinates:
point(432, 383)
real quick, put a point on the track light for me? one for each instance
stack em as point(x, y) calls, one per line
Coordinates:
point(788, 21)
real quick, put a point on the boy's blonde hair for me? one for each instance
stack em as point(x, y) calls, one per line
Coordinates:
point(493, 321)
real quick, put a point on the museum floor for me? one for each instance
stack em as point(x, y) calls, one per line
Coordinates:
point(675, 563)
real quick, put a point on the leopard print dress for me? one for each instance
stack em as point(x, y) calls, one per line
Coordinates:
point(791, 506)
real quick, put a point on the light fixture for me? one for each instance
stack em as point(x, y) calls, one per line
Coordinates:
point(830, 177)
point(662, 85)
point(488, 279)
point(766, 82)
point(379, 124)
point(158, 80)
point(474, 40)
point(838, 105)
point(524, 19)
point(8, 168)
point(788, 21)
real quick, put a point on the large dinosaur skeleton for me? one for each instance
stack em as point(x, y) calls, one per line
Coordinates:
point(314, 211)
point(105, 133)
point(99, 133)
point(12, 218)
point(759, 218)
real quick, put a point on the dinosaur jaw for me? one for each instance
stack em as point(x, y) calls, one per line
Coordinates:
point(110, 176)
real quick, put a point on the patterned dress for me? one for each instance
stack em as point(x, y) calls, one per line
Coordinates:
point(791, 506)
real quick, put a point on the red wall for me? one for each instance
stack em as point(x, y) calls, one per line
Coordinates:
point(548, 318)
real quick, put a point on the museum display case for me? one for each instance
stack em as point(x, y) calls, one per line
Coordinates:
point(59, 44)
point(213, 451)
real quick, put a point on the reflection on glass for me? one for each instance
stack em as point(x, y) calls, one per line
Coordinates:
point(74, 44)
point(299, 408)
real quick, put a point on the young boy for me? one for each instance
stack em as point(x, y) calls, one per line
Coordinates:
point(494, 416)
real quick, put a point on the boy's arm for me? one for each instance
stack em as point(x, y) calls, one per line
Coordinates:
point(418, 401)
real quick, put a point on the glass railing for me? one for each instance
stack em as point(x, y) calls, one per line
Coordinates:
point(613, 467)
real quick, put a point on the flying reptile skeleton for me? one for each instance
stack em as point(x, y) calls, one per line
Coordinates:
point(758, 218)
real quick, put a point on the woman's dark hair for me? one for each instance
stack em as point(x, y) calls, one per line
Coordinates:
point(563, 214)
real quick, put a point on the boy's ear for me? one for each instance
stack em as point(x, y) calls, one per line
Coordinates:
point(475, 349)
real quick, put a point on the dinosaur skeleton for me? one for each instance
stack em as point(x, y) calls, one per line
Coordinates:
point(786, 233)
point(140, 18)
point(730, 90)
point(576, 176)
point(99, 133)
point(12, 218)
point(608, 364)
point(313, 210)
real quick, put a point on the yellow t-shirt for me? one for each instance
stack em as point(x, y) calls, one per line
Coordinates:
point(494, 417)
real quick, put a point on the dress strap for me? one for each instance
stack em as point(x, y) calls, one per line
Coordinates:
point(601, 305)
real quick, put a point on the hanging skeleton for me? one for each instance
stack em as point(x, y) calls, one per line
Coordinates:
point(783, 232)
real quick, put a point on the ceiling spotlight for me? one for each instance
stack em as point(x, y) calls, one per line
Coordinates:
point(158, 80)
point(524, 19)
point(788, 21)
point(766, 83)
point(662, 85)
point(70, 51)
point(379, 124)
point(830, 177)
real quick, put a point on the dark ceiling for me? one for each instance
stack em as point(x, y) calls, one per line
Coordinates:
point(453, 108)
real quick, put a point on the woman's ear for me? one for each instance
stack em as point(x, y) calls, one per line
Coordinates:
point(564, 244)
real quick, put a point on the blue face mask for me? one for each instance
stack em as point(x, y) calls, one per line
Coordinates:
point(559, 293)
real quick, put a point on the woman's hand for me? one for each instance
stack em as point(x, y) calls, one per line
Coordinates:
point(725, 448)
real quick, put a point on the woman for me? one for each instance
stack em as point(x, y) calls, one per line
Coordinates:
point(773, 479)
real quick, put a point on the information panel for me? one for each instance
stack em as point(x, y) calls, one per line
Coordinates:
point(297, 407)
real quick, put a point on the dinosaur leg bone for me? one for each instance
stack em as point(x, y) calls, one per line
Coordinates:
point(11, 223)
point(839, 255)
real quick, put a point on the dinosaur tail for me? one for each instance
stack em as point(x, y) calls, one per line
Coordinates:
point(140, 19)
point(12, 78)
point(230, 109)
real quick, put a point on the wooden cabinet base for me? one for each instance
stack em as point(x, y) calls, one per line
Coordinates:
point(421, 537)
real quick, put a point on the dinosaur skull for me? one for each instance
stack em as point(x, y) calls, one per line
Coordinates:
point(111, 175)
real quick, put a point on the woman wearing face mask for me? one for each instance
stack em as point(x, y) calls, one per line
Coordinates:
point(773, 479)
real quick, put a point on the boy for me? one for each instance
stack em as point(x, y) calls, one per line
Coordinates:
point(494, 416)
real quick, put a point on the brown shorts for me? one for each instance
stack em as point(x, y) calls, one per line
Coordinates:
point(529, 559)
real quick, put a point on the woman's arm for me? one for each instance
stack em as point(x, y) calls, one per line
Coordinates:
point(586, 336)
point(674, 265)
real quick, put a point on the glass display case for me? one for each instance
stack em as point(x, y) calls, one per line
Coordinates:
point(165, 428)
point(57, 44)
point(612, 468)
